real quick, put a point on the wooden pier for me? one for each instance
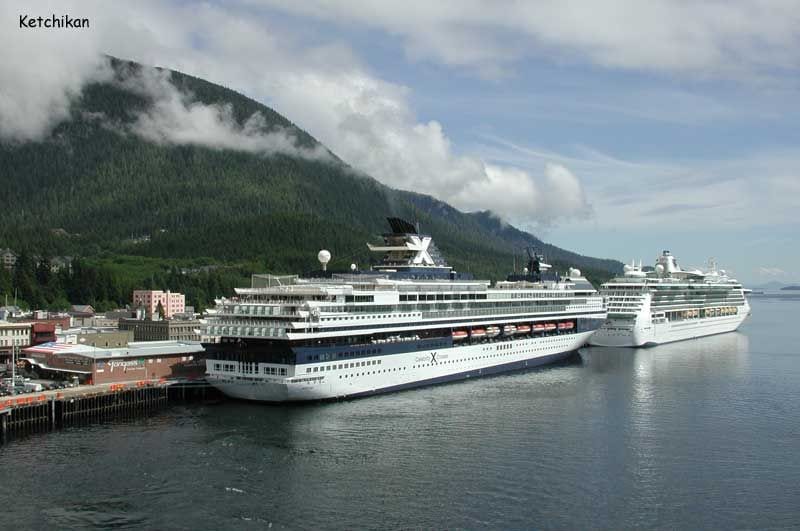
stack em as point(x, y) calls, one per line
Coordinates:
point(51, 410)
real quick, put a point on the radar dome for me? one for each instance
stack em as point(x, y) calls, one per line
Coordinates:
point(627, 268)
point(574, 272)
point(524, 270)
point(324, 257)
point(353, 267)
point(660, 269)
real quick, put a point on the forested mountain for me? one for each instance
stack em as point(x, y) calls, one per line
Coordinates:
point(94, 188)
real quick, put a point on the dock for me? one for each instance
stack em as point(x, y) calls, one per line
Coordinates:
point(88, 404)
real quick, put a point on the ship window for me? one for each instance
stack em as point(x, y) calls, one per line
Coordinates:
point(316, 369)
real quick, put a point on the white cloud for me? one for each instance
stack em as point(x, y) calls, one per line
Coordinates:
point(175, 117)
point(707, 38)
point(752, 190)
point(41, 72)
point(369, 123)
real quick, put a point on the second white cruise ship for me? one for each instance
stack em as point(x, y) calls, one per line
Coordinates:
point(408, 322)
point(669, 304)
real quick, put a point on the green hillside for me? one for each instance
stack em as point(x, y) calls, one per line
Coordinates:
point(93, 190)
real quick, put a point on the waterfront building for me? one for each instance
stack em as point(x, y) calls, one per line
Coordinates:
point(42, 332)
point(93, 336)
point(14, 335)
point(162, 330)
point(133, 362)
point(61, 321)
point(172, 303)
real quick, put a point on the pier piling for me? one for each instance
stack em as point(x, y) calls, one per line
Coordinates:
point(52, 410)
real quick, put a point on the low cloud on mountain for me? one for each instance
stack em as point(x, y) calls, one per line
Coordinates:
point(176, 117)
point(365, 120)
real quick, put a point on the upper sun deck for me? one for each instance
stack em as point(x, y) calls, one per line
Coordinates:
point(668, 274)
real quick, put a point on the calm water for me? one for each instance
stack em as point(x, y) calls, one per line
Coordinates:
point(698, 434)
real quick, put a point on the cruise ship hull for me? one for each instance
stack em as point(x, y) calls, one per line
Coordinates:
point(407, 370)
point(614, 334)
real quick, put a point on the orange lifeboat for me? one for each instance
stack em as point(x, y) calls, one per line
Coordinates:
point(459, 335)
point(478, 333)
point(523, 329)
point(549, 327)
point(569, 326)
point(562, 326)
point(539, 327)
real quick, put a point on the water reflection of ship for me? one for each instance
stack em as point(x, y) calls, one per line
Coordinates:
point(723, 352)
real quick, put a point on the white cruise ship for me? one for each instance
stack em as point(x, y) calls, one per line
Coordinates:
point(669, 304)
point(410, 321)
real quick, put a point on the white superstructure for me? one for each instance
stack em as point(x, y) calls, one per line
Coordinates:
point(669, 304)
point(411, 321)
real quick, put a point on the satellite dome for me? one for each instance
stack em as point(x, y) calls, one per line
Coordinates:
point(627, 268)
point(574, 272)
point(324, 257)
point(353, 267)
point(660, 269)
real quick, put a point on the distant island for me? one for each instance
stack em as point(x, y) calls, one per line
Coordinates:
point(790, 288)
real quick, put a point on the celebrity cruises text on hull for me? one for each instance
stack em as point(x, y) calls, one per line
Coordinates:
point(669, 304)
point(408, 322)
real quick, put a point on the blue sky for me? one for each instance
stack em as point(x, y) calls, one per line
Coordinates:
point(614, 128)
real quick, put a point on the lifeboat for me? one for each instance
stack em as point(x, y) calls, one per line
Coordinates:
point(459, 335)
point(550, 326)
point(492, 331)
point(539, 327)
point(562, 326)
point(569, 326)
point(523, 329)
point(509, 329)
point(478, 333)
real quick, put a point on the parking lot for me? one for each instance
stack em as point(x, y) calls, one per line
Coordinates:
point(31, 385)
